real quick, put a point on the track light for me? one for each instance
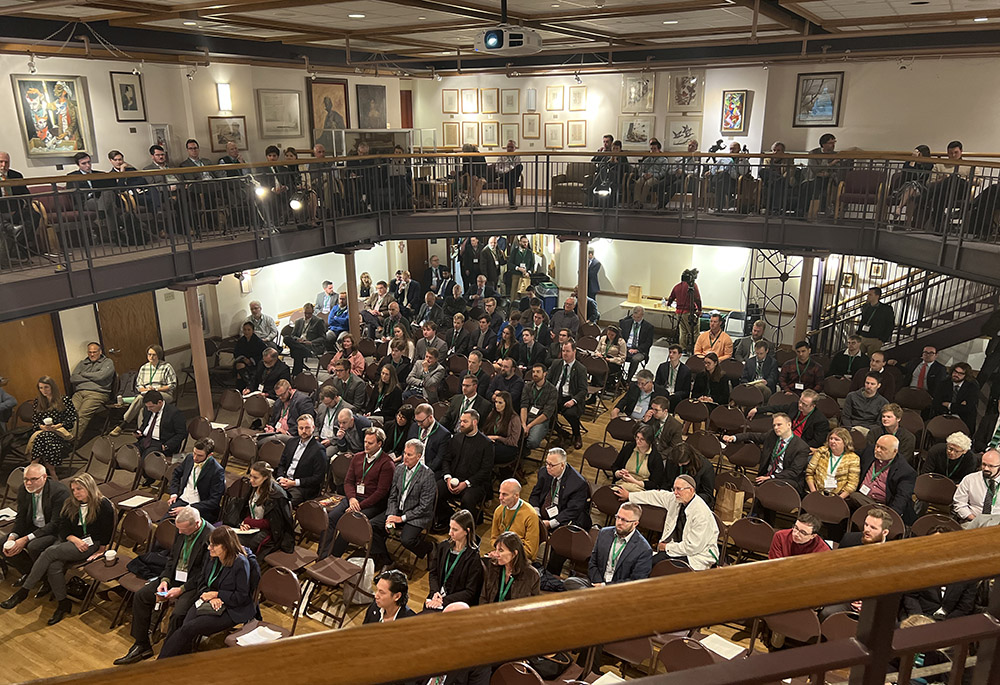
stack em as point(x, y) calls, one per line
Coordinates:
point(576, 77)
point(31, 64)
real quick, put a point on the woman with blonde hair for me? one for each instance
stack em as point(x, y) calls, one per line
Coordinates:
point(834, 467)
point(52, 420)
point(82, 530)
point(365, 290)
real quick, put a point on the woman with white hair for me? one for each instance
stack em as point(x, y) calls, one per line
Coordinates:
point(954, 459)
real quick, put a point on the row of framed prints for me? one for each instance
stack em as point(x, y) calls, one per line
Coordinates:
point(556, 134)
point(508, 100)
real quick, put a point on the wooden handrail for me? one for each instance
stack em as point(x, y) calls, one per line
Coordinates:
point(495, 633)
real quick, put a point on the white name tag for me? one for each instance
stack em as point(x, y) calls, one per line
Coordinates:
point(864, 490)
point(475, 261)
point(831, 482)
point(260, 388)
point(88, 541)
point(552, 511)
point(180, 576)
point(799, 386)
point(360, 488)
point(864, 328)
point(198, 603)
point(533, 411)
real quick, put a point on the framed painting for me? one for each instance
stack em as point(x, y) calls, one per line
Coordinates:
point(329, 109)
point(371, 106)
point(449, 101)
point(224, 130)
point(531, 126)
point(637, 93)
point(578, 98)
point(129, 96)
point(470, 133)
point(554, 98)
point(686, 92)
point(817, 99)
point(680, 131)
point(510, 132)
point(848, 280)
point(470, 101)
point(54, 114)
point(489, 100)
point(489, 133)
point(451, 132)
point(510, 101)
point(876, 270)
point(279, 113)
point(159, 134)
point(636, 130)
point(576, 133)
point(735, 114)
point(553, 135)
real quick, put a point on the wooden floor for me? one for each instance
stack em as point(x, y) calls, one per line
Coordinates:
point(30, 649)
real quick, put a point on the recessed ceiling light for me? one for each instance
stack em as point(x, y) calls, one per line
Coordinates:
point(355, 16)
point(190, 23)
point(672, 21)
point(981, 19)
point(554, 4)
point(421, 17)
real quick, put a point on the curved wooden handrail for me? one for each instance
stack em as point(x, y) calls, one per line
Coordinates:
point(426, 645)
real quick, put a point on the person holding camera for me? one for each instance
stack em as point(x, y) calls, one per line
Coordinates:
point(688, 300)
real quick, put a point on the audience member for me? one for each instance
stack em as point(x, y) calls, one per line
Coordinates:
point(397, 432)
point(834, 468)
point(954, 459)
point(507, 346)
point(529, 351)
point(924, 373)
point(455, 570)
point(746, 346)
point(263, 325)
point(39, 502)
point(509, 382)
point(434, 437)
point(503, 426)
point(570, 380)
point(876, 322)
point(712, 385)
point(959, 395)
point(620, 554)
point(714, 340)
point(685, 460)
point(801, 373)
point(289, 405)
point(351, 387)
point(326, 299)
point(247, 354)
point(638, 336)
point(567, 318)
point(761, 370)
point(307, 338)
point(351, 433)
point(807, 423)
point(479, 292)
point(425, 377)
point(611, 348)
point(802, 538)
point(639, 466)
point(509, 574)
point(635, 403)
point(429, 340)
point(387, 395)
point(398, 360)
point(889, 424)
point(338, 321)
point(392, 592)
point(53, 418)
point(674, 377)
point(975, 497)
point(265, 510)
point(690, 532)
point(876, 366)
point(512, 515)
point(467, 399)
point(476, 371)
point(468, 468)
point(987, 435)
point(886, 479)
point(199, 482)
point(863, 408)
point(410, 507)
point(538, 406)
point(93, 381)
point(302, 469)
point(783, 455)
point(349, 353)
point(849, 361)
point(163, 428)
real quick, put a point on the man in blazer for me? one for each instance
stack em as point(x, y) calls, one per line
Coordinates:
point(39, 501)
point(877, 366)
point(288, 407)
point(761, 366)
point(484, 339)
point(199, 481)
point(637, 400)
point(469, 461)
point(783, 455)
point(638, 336)
point(924, 373)
point(959, 395)
point(179, 581)
point(410, 509)
point(458, 340)
point(570, 380)
point(268, 373)
point(408, 295)
point(430, 312)
point(896, 487)
point(561, 497)
point(18, 211)
point(468, 399)
point(307, 337)
point(621, 553)
point(433, 436)
point(808, 423)
point(674, 377)
point(163, 428)
point(531, 352)
point(433, 275)
point(302, 468)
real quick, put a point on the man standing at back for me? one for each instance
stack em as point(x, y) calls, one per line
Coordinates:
point(876, 323)
point(688, 300)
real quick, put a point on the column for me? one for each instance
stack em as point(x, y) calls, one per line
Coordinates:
point(199, 361)
point(354, 312)
point(581, 289)
point(805, 297)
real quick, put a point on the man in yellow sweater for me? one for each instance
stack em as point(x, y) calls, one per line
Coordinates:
point(517, 516)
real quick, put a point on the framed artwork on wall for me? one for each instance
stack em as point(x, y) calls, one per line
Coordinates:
point(817, 99)
point(279, 113)
point(636, 130)
point(489, 100)
point(681, 130)
point(329, 109)
point(129, 96)
point(686, 92)
point(735, 112)
point(451, 132)
point(553, 135)
point(554, 98)
point(470, 101)
point(531, 126)
point(637, 93)
point(876, 270)
point(510, 101)
point(54, 114)
point(510, 132)
point(159, 134)
point(371, 106)
point(578, 98)
point(490, 133)
point(470, 133)
point(224, 130)
point(576, 133)
point(449, 101)
point(848, 280)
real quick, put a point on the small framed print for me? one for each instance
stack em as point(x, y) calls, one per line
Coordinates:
point(680, 131)
point(531, 126)
point(553, 135)
point(848, 280)
point(451, 132)
point(130, 99)
point(817, 99)
point(576, 133)
point(224, 130)
point(637, 93)
point(510, 101)
point(578, 99)
point(635, 130)
point(734, 112)
point(470, 101)
point(490, 133)
point(488, 100)
point(449, 101)
point(470, 133)
point(876, 270)
point(686, 92)
point(510, 132)
point(554, 98)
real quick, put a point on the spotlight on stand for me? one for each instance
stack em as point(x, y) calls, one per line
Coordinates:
point(296, 203)
point(259, 190)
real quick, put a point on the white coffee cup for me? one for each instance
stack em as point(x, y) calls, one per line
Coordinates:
point(47, 421)
point(9, 545)
point(455, 482)
point(110, 557)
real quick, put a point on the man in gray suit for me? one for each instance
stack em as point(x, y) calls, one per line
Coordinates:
point(410, 509)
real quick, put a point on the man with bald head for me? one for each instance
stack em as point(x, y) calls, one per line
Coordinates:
point(351, 434)
point(515, 515)
point(885, 479)
point(39, 501)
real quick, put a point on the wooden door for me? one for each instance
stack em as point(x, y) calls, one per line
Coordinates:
point(128, 326)
point(30, 351)
point(406, 110)
point(416, 258)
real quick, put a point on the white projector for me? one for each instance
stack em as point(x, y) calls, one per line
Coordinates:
point(509, 40)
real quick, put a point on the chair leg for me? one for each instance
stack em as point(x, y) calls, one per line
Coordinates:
point(89, 597)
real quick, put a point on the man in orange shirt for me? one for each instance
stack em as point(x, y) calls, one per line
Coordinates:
point(714, 340)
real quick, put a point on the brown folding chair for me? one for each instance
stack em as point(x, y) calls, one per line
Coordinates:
point(128, 459)
point(728, 420)
point(278, 585)
point(255, 407)
point(896, 530)
point(138, 529)
point(270, 450)
point(164, 534)
point(572, 543)
point(752, 537)
point(779, 496)
point(830, 509)
point(929, 524)
point(669, 567)
point(840, 626)
point(683, 653)
point(335, 573)
point(606, 501)
point(940, 427)
point(746, 397)
point(230, 410)
point(601, 457)
point(745, 458)
point(621, 428)
point(837, 387)
point(313, 521)
point(913, 398)
point(829, 406)
point(692, 413)
point(933, 488)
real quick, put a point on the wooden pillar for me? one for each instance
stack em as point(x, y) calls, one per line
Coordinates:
point(353, 306)
point(199, 361)
point(804, 301)
point(581, 289)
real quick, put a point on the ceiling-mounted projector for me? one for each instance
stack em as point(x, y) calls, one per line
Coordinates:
point(509, 40)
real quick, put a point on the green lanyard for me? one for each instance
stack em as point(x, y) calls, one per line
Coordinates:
point(800, 371)
point(555, 490)
point(152, 373)
point(407, 477)
point(448, 568)
point(430, 432)
point(834, 464)
point(503, 516)
point(83, 522)
point(639, 462)
point(189, 545)
point(616, 551)
point(538, 392)
point(958, 462)
point(505, 586)
point(366, 469)
point(876, 474)
point(378, 402)
point(216, 570)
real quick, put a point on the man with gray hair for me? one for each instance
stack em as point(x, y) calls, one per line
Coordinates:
point(39, 501)
point(954, 459)
point(410, 510)
point(975, 501)
point(178, 583)
point(351, 435)
point(263, 325)
point(638, 336)
point(566, 318)
point(561, 497)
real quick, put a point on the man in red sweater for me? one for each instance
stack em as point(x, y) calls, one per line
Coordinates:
point(688, 300)
point(802, 538)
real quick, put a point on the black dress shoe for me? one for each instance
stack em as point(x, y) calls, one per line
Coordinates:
point(135, 654)
point(62, 610)
point(15, 599)
point(20, 581)
point(43, 590)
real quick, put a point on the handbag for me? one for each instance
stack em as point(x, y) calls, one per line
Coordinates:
point(550, 666)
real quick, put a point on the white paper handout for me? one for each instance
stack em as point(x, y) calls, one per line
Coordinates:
point(721, 646)
point(258, 636)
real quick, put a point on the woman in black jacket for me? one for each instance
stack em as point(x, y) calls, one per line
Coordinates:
point(267, 510)
point(396, 432)
point(711, 385)
point(84, 529)
point(639, 466)
point(247, 353)
point(455, 568)
point(225, 593)
point(387, 397)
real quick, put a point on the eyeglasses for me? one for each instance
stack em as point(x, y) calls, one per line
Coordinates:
point(686, 487)
point(625, 520)
point(552, 465)
point(803, 533)
point(29, 479)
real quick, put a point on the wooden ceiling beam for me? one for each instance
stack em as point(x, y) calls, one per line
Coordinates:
point(773, 12)
point(633, 11)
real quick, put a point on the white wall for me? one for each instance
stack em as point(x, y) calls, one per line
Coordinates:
point(79, 327)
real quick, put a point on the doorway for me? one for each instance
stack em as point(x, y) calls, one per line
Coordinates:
point(406, 110)
point(30, 351)
point(128, 325)
point(416, 258)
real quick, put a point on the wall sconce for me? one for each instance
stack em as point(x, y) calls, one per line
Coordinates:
point(225, 97)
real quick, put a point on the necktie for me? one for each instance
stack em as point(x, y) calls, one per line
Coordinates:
point(954, 398)
point(152, 424)
point(4, 191)
point(779, 453)
point(679, 527)
point(671, 377)
point(565, 375)
point(991, 493)
point(922, 378)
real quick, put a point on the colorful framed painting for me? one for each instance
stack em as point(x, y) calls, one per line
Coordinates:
point(451, 132)
point(225, 130)
point(637, 93)
point(578, 98)
point(576, 133)
point(635, 130)
point(510, 101)
point(489, 133)
point(680, 131)
point(687, 92)
point(531, 126)
point(817, 99)
point(735, 112)
point(470, 133)
point(489, 100)
point(54, 114)
point(470, 101)
point(554, 135)
point(129, 97)
point(554, 98)
point(449, 101)
point(329, 109)
point(371, 106)
point(510, 132)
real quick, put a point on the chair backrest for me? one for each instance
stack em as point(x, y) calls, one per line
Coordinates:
point(199, 427)
point(270, 451)
point(231, 401)
point(137, 527)
point(339, 468)
point(837, 386)
point(571, 542)
point(727, 420)
point(933, 523)
point(863, 181)
point(896, 530)
point(829, 406)
point(782, 398)
point(696, 364)
point(256, 406)
point(940, 427)
point(693, 411)
point(239, 488)
point(441, 411)
point(279, 585)
point(706, 444)
point(103, 451)
point(746, 396)
point(366, 346)
point(243, 448)
point(587, 343)
point(306, 382)
point(753, 535)
point(653, 518)
point(595, 366)
point(683, 653)
point(913, 422)
point(601, 456)
point(458, 363)
point(373, 371)
point(355, 529)
point(14, 481)
point(732, 368)
point(516, 673)
point(155, 465)
point(826, 507)
point(859, 441)
point(913, 398)
point(622, 428)
point(779, 496)
point(669, 567)
point(221, 440)
point(128, 458)
point(746, 456)
point(934, 488)
point(840, 626)
point(606, 500)
point(801, 626)
point(166, 533)
point(589, 330)
point(312, 518)
point(736, 481)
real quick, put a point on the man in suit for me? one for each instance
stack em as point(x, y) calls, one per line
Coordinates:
point(886, 479)
point(484, 339)
point(269, 373)
point(351, 431)
point(307, 337)
point(410, 509)
point(476, 370)
point(302, 468)
point(744, 348)
point(480, 291)
point(570, 380)
point(429, 338)
point(924, 373)
point(807, 422)
point(430, 312)
point(674, 377)
point(288, 407)
point(329, 408)
point(468, 399)
point(531, 351)
point(95, 192)
point(408, 294)
point(425, 377)
point(849, 361)
point(19, 211)
point(621, 554)
point(636, 401)
point(433, 275)
point(457, 338)
point(434, 438)
point(197, 186)
point(447, 285)
point(876, 365)
point(783, 455)
point(39, 501)
point(568, 318)
point(958, 395)
point(199, 481)
point(561, 496)
point(638, 336)
point(761, 366)
point(593, 274)
point(352, 388)
point(326, 300)
point(468, 469)
point(178, 583)
point(391, 595)
point(163, 428)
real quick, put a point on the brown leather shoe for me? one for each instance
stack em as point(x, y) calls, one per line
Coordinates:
point(577, 442)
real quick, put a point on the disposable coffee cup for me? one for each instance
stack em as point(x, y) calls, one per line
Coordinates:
point(121, 400)
point(455, 482)
point(47, 420)
point(110, 557)
point(9, 545)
